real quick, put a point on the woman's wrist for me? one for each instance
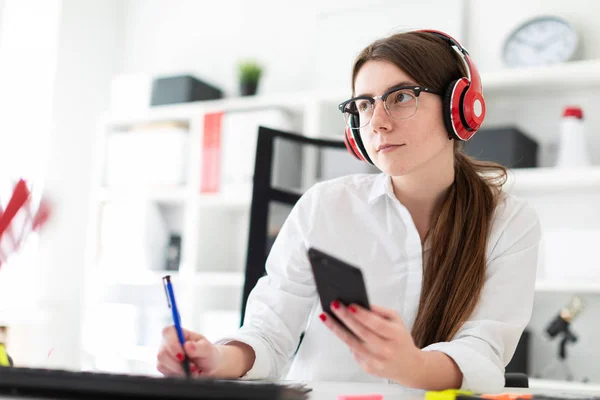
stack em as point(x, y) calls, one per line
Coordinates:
point(235, 359)
point(432, 370)
point(413, 378)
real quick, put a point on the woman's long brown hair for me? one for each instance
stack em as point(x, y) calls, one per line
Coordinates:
point(455, 272)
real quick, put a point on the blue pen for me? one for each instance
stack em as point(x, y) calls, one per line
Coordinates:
point(176, 321)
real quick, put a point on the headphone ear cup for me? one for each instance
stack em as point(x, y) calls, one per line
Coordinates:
point(447, 110)
point(453, 113)
point(354, 143)
point(348, 142)
point(361, 147)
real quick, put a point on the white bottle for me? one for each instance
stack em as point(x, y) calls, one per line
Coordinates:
point(573, 149)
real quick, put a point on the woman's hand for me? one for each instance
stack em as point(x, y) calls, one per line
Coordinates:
point(204, 356)
point(381, 344)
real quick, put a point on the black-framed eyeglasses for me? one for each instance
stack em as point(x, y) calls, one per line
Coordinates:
point(400, 103)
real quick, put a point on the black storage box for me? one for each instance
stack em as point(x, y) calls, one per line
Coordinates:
point(182, 89)
point(507, 146)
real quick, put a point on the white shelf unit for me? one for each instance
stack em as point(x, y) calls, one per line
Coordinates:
point(546, 286)
point(552, 180)
point(204, 290)
point(569, 76)
point(210, 278)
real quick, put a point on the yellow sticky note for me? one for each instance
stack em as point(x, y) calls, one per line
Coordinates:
point(449, 394)
point(3, 356)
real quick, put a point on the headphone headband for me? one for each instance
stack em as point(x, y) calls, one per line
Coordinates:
point(463, 103)
point(464, 56)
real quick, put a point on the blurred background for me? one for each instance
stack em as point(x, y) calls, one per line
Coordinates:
point(140, 118)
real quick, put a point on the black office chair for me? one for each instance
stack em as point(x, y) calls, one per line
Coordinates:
point(264, 194)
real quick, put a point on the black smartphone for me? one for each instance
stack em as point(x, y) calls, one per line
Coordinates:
point(337, 280)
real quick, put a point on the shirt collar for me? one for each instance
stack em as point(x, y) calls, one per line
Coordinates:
point(381, 186)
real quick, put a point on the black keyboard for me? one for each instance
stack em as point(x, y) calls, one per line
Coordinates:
point(62, 384)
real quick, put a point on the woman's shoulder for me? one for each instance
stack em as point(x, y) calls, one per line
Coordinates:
point(511, 208)
point(515, 221)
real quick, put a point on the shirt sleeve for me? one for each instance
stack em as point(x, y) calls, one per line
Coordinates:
point(279, 305)
point(486, 342)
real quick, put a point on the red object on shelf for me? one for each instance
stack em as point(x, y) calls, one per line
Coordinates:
point(211, 153)
point(19, 219)
point(573, 111)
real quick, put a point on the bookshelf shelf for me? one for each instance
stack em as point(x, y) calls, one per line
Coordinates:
point(185, 112)
point(571, 75)
point(176, 196)
point(553, 179)
point(232, 201)
point(209, 278)
point(153, 278)
point(168, 195)
point(567, 287)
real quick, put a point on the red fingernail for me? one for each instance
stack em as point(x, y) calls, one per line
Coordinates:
point(180, 356)
point(336, 304)
point(193, 368)
point(199, 371)
point(352, 309)
point(323, 317)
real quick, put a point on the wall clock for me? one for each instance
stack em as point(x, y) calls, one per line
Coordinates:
point(543, 40)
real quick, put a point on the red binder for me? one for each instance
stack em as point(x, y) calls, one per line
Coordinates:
point(211, 153)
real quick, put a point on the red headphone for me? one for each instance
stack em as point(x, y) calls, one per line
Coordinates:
point(463, 105)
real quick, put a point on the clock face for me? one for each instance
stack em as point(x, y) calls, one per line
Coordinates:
point(541, 41)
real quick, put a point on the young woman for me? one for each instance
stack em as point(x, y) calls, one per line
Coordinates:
point(449, 259)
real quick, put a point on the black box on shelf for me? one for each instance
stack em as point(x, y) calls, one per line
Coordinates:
point(182, 89)
point(173, 253)
point(505, 145)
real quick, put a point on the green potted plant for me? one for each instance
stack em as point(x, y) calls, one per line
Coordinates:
point(249, 75)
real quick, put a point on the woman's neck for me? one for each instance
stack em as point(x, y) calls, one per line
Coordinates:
point(422, 190)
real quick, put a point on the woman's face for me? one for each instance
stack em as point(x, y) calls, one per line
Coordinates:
point(412, 143)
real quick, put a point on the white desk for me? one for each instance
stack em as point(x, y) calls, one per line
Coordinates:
point(331, 391)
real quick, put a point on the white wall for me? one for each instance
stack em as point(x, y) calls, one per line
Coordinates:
point(1, 10)
point(28, 45)
point(87, 55)
point(490, 23)
point(304, 45)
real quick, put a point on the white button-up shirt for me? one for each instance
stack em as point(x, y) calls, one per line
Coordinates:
point(358, 219)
